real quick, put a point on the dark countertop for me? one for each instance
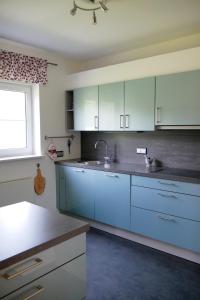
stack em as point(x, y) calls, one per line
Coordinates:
point(190, 176)
point(27, 229)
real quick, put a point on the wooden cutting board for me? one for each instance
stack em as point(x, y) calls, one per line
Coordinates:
point(39, 182)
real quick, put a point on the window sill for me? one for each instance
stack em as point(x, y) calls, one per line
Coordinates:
point(16, 158)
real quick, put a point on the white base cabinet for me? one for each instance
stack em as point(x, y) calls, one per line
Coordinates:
point(57, 273)
point(66, 282)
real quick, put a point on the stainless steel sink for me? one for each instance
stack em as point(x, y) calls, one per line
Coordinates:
point(89, 162)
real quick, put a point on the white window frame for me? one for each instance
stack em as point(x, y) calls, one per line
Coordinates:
point(28, 90)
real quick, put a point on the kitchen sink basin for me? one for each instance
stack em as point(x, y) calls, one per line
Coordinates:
point(89, 162)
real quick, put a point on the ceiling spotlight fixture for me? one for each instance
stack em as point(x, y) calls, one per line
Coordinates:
point(73, 10)
point(103, 6)
point(92, 6)
point(94, 18)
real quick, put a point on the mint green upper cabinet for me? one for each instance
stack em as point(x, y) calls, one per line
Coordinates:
point(139, 104)
point(86, 108)
point(178, 99)
point(111, 106)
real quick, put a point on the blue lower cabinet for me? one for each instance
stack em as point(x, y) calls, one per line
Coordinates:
point(75, 190)
point(80, 192)
point(180, 205)
point(167, 185)
point(112, 199)
point(173, 230)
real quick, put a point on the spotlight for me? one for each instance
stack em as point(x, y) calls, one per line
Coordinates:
point(73, 10)
point(94, 18)
point(103, 6)
point(95, 5)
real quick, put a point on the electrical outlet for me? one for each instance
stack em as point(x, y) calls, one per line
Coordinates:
point(141, 150)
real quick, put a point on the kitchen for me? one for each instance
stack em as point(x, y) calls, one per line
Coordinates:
point(176, 147)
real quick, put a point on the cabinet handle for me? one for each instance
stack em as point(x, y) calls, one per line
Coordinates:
point(167, 196)
point(127, 121)
point(11, 274)
point(121, 121)
point(168, 184)
point(113, 176)
point(79, 171)
point(96, 122)
point(158, 114)
point(167, 219)
point(36, 290)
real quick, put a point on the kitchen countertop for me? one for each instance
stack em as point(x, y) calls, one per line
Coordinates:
point(184, 175)
point(27, 229)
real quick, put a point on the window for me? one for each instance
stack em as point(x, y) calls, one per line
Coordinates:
point(16, 120)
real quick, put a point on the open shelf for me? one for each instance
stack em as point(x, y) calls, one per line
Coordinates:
point(69, 110)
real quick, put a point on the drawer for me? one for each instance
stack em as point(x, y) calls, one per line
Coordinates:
point(180, 205)
point(66, 282)
point(173, 230)
point(29, 269)
point(167, 185)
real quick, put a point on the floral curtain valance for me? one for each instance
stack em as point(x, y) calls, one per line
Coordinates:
point(19, 67)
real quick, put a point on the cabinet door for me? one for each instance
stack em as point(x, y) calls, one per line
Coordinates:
point(86, 108)
point(80, 191)
point(178, 99)
point(60, 188)
point(139, 104)
point(112, 199)
point(111, 106)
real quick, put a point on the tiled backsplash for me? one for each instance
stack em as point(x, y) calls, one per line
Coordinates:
point(176, 149)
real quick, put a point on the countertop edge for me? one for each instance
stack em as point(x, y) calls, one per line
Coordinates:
point(43, 246)
point(155, 174)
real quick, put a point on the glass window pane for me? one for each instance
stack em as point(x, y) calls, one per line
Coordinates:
point(12, 134)
point(12, 105)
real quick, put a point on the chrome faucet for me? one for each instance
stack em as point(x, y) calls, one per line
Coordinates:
point(106, 157)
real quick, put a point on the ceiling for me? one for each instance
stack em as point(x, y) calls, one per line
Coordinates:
point(127, 25)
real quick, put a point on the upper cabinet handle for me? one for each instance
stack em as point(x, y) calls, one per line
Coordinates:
point(121, 121)
point(127, 121)
point(96, 122)
point(158, 114)
point(11, 274)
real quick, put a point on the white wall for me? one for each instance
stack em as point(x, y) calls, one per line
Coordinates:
point(173, 62)
point(52, 108)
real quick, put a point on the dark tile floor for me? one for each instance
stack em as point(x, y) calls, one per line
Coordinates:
point(119, 269)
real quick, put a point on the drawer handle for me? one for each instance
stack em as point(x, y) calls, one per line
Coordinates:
point(36, 290)
point(168, 184)
point(79, 171)
point(10, 275)
point(113, 176)
point(167, 196)
point(166, 219)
